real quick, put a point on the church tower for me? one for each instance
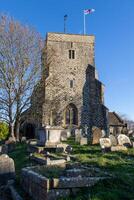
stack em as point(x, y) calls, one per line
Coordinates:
point(74, 97)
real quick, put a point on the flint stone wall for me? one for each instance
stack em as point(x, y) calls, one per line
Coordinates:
point(53, 94)
point(86, 93)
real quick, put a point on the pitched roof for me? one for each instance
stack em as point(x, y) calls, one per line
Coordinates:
point(115, 119)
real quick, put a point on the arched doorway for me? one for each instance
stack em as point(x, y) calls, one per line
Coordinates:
point(29, 131)
point(71, 115)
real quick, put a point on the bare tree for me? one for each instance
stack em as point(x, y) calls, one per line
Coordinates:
point(20, 67)
point(128, 121)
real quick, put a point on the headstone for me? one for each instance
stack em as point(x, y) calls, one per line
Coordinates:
point(7, 168)
point(125, 130)
point(68, 133)
point(113, 140)
point(103, 133)
point(96, 135)
point(69, 149)
point(83, 141)
point(133, 144)
point(111, 129)
point(118, 148)
point(78, 135)
point(68, 158)
point(42, 136)
point(64, 135)
point(86, 130)
point(4, 149)
point(23, 139)
point(105, 143)
point(123, 140)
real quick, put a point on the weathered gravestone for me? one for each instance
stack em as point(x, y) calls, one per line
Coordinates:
point(42, 136)
point(118, 148)
point(113, 140)
point(105, 144)
point(7, 169)
point(23, 139)
point(83, 141)
point(64, 135)
point(96, 135)
point(78, 135)
point(124, 140)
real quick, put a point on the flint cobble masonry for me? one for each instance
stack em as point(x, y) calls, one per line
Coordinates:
point(69, 93)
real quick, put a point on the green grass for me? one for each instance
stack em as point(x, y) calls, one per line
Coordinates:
point(51, 171)
point(20, 157)
point(119, 164)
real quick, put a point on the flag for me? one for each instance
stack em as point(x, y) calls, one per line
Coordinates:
point(89, 11)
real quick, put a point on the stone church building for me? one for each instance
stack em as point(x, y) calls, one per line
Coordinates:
point(69, 94)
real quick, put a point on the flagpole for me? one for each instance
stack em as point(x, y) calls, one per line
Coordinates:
point(84, 24)
point(65, 18)
point(86, 12)
point(64, 25)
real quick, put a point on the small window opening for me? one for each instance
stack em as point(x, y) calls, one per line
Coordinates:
point(71, 54)
point(71, 83)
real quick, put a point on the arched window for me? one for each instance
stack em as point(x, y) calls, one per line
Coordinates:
point(71, 115)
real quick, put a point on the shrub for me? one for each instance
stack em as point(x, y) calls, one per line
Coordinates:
point(4, 131)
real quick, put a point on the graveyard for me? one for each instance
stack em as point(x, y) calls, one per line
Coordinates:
point(59, 138)
point(112, 168)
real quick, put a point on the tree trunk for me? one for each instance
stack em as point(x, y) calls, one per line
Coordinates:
point(17, 130)
point(12, 131)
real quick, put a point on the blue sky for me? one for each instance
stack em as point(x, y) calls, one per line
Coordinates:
point(112, 24)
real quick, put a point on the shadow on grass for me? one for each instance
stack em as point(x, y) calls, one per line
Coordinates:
point(20, 157)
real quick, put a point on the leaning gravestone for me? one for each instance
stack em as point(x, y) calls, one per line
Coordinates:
point(113, 140)
point(124, 140)
point(96, 135)
point(7, 169)
point(105, 143)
